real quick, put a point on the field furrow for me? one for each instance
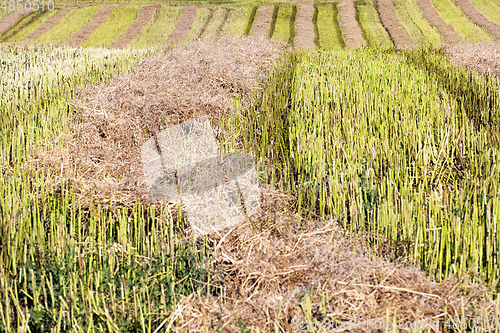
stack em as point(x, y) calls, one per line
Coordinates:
point(329, 32)
point(49, 24)
point(203, 17)
point(237, 22)
point(10, 20)
point(369, 21)
point(477, 18)
point(432, 15)
point(453, 15)
point(224, 22)
point(214, 24)
point(390, 21)
point(304, 27)
point(489, 8)
point(100, 17)
point(281, 29)
point(145, 16)
point(262, 22)
point(119, 20)
point(347, 20)
point(418, 28)
point(182, 28)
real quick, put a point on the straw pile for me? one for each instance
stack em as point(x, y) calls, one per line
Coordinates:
point(484, 58)
point(114, 120)
point(275, 262)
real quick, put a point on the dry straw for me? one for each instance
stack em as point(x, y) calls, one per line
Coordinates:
point(115, 119)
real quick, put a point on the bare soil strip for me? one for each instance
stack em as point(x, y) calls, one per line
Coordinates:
point(185, 23)
point(219, 31)
point(389, 19)
point(347, 18)
point(446, 30)
point(135, 29)
point(50, 24)
point(100, 17)
point(304, 27)
point(11, 19)
point(262, 22)
point(477, 18)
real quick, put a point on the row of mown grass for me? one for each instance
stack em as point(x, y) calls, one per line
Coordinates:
point(64, 264)
point(400, 146)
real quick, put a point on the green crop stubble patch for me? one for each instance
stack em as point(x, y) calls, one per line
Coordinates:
point(157, 31)
point(373, 31)
point(26, 25)
point(63, 262)
point(215, 23)
point(489, 8)
point(419, 29)
point(202, 16)
point(391, 143)
point(282, 27)
point(453, 15)
point(73, 22)
point(118, 22)
point(330, 34)
point(237, 21)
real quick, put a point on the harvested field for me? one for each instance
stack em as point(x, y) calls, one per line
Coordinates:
point(304, 31)
point(100, 17)
point(347, 19)
point(237, 21)
point(11, 19)
point(484, 58)
point(389, 20)
point(477, 18)
point(164, 90)
point(215, 22)
point(50, 24)
point(432, 15)
point(136, 28)
point(203, 18)
point(184, 25)
point(369, 21)
point(262, 22)
point(272, 273)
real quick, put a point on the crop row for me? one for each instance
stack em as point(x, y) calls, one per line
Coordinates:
point(238, 20)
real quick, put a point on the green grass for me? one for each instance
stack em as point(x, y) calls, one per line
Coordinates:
point(489, 8)
point(69, 25)
point(4, 13)
point(202, 16)
point(282, 27)
point(118, 22)
point(412, 19)
point(453, 15)
point(215, 23)
point(373, 31)
point(20, 25)
point(330, 34)
point(397, 146)
point(33, 26)
point(237, 21)
point(157, 31)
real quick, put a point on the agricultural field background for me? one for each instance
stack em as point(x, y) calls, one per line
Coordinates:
point(375, 130)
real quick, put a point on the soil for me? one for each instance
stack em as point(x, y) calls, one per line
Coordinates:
point(184, 25)
point(262, 22)
point(304, 27)
point(347, 18)
point(135, 29)
point(432, 16)
point(477, 18)
point(219, 31)
point(389, 19)
point(50, 24)
point(11, 19)
point(100, 17)
point(207, 23)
